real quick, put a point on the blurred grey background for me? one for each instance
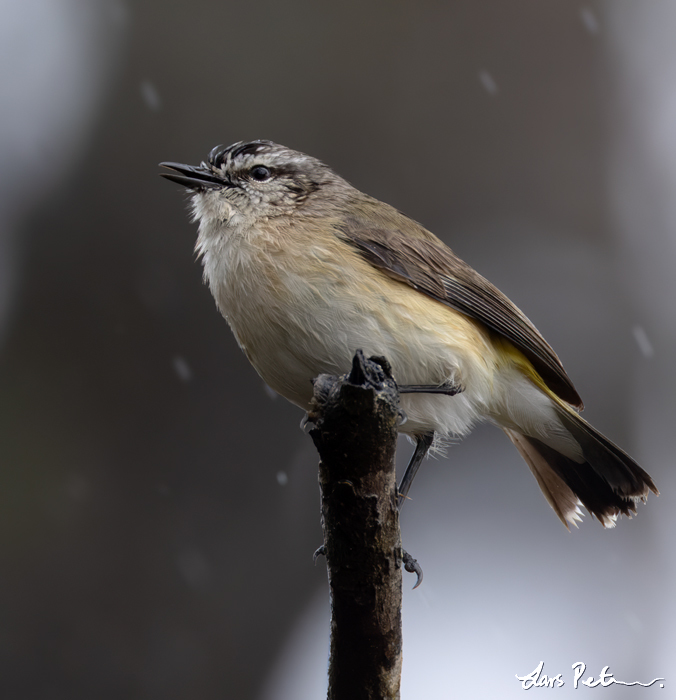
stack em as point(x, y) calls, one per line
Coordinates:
point(158, 508)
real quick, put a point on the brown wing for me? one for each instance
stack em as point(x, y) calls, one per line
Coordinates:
point(422, 261)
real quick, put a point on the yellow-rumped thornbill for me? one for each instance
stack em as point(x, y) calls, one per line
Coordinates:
point(307, 269)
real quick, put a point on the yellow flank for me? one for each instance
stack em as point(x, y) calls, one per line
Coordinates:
point(511, 354)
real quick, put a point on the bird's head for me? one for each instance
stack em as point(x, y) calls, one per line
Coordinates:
point(257, 180)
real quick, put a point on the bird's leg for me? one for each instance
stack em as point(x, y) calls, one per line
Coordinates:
point(422, 445)
point(446, 389)
point(422, 442)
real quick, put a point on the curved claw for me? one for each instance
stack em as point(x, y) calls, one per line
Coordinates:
point(319, 552)
point(307, 423)
point(411, 565)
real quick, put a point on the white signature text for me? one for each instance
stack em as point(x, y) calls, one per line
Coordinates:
point(537, 679)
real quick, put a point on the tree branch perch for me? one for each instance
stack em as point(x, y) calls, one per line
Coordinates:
point(355, 432)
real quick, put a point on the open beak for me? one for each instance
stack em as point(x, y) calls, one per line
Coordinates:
point(194, 177)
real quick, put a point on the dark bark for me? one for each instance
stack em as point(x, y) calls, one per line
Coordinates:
point(355, 432)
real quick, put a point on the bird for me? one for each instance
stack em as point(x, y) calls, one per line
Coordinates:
point(307, 269)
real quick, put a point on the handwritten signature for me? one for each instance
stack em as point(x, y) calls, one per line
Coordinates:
point(537, 679)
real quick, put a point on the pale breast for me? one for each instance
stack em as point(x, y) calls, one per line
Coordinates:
point(298, 310)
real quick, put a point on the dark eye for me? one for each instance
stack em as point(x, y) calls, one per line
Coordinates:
point(260, 173)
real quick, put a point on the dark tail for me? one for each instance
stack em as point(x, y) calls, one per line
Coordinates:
point(608, 482)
